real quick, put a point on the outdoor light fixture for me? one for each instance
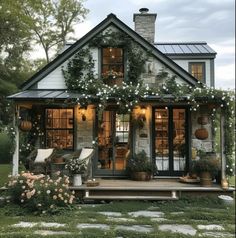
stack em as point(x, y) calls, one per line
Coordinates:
point(82, 111)
point(143, 113)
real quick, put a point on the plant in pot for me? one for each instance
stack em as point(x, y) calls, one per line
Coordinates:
point(140, 167)
point(206, 168)
point(76, 168)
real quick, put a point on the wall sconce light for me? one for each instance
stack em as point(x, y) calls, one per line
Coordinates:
point(82, 111)
point(143, 113)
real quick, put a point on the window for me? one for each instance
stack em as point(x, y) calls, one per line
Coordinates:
point(59, 128)
point(112, 64)
point(197, 70)
point(122, 128)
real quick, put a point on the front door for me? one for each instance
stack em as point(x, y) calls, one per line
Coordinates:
point(113, 144)
point(170, 140)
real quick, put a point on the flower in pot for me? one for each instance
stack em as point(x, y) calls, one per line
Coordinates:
point(140, 167)
point(206, 168)
point(77, 168)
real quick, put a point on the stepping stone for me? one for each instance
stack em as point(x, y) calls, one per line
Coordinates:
point(25, 224)
point(111, 214)
point(136, 228)
point(216, 234)
point(211, 227)
point(120, 219)
point(46, 233)
point(146, 214)
point(158, 219)
point(92, 226)
point(176, 228)
point(51, 224)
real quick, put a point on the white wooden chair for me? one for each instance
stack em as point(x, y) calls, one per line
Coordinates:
point(39, 160)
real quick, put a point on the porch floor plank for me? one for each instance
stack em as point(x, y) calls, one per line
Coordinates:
point(156, 189)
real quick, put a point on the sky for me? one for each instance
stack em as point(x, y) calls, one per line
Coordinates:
point(212, 21)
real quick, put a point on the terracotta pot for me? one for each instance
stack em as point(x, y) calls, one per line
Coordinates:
point(205, 179)
point(25, 125)
point(201, 134)
point(141, 176)
point(203, 120)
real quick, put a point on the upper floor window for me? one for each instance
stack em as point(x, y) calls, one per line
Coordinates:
point(197, 70)
point(59, 128)
point(112, 64)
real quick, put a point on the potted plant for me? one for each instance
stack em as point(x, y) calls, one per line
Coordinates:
point(140, 167)
point(206, 168)
point(76, 168)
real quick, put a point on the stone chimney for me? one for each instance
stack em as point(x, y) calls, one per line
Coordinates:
point(144, 24)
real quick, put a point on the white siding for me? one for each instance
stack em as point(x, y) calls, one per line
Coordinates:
point(55, 79)
point(184, 65)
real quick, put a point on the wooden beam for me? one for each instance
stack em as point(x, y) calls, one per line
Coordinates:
point(222, 145)
point(15, 167)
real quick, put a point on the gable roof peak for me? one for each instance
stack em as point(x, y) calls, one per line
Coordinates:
point(111, 15)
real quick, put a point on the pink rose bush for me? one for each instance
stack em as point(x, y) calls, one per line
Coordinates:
point(39, 193)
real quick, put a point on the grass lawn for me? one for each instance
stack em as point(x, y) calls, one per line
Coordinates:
point(187, 211)
point(5, 170)
point(232, 181)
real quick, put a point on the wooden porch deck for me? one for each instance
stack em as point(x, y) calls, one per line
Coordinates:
point(156, 189)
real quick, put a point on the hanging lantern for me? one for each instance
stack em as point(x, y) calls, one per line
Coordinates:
point(201, 133)
point(25, 125)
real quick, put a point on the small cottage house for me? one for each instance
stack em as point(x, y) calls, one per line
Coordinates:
point(119, 91)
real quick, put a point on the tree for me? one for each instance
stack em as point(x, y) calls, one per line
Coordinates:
point(52, 21)
point(14, 43)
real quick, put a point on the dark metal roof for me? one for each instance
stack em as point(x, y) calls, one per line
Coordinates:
point(44, 94)
point(185, 48)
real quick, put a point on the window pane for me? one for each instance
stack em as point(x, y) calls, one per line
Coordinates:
point(179, 139)
point(112, 63)
point(59, 128)
point(197, 70)
point(161, 139)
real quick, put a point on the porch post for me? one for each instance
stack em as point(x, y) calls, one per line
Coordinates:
point(222, 144)
point(15, 167)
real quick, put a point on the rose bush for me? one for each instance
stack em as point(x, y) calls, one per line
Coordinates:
point(39, 193)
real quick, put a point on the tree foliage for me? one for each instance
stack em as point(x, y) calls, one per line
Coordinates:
point(51, 22)
point(26, 23)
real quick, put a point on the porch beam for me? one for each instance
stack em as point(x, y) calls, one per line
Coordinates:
point(15, 160)
point(222, 145)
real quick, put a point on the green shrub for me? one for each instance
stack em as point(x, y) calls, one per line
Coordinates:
point(40, 194)
point(140, 163)
point(5, 148)
point(206, 165)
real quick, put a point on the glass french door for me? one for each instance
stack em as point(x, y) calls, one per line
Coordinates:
point(113, 143)
point(170, 140)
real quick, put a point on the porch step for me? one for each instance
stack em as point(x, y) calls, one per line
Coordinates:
point(127, 196)
point(100, 197)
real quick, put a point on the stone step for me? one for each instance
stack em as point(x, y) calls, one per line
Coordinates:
point(111, 197)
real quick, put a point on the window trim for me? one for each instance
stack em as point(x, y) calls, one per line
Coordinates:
point(73, 128)
point(190, 64)
point(123, 59)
